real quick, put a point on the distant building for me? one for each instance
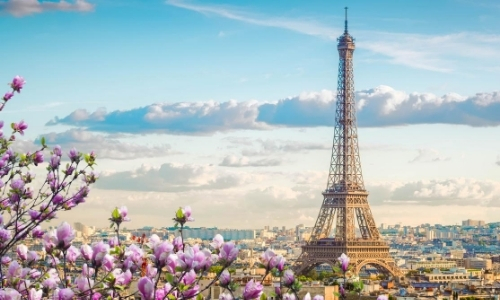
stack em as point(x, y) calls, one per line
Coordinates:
point(470, 222)
point(433, 264)
point(204, 233)
point(477, 263)
point(455, 275)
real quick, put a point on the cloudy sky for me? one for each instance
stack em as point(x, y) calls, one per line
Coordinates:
point(229, 107)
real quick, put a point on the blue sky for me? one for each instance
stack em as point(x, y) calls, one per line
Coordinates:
point(227, 106)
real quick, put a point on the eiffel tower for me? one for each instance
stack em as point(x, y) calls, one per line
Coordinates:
point(345, 198)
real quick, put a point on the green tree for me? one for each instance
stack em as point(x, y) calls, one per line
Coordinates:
point(313, 274)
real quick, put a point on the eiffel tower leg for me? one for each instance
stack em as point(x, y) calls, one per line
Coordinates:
point(323, 225)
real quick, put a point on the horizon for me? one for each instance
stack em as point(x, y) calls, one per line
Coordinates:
point(230, 108)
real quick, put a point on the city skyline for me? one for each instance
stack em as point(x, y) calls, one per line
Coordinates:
point(230, 108)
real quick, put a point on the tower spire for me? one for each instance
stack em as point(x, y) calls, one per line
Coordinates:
point(345, 23)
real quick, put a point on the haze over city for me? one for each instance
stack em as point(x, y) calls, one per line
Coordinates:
point(229, 107)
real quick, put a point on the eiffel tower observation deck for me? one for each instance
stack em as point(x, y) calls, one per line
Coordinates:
point(345, 200)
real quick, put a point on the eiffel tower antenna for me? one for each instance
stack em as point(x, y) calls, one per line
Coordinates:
point(345, 22)
point(345, 200)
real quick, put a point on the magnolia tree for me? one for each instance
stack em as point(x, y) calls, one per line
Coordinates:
point(160, 269)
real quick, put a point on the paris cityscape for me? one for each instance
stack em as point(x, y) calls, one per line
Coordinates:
point(207, 150)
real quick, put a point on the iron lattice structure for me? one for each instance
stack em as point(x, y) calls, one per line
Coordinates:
point(345, 198)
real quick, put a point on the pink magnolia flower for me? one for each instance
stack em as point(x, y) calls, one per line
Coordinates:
point(277, 262)
point(183, 215)
point(32, 256)
point(288, 278)
point(224, 278)
point(113, 242)
point(72, 254)
point(151, 271)
point(22, 252)
point(253, 290)
point(17, 184)
point(161, 252)
point(228, 252)
point(55, 161)
point(307, 296)
point(342, 291)
point(194, 258)
point(189, 278)
point(17, 83)
point(10, 294)
point(190, 293)
point(382, 297)
point(20, 127)
point(178, 244)
point(99, 250)
point(65, 236)
point(134, 253)
point(73, 155)
point(35, 294)
point(34, 273)
point(108, 262)
point(86, 252)
point(14, 271)
point(5, 235)
point(63, 294)
point(7, 96)
point(84, 283)
point(96, 296)
point(318, 297)
point(217, 241)
point(122, 278)
point(167, 289)
point(37, 232)
point(267, 258)
point(187, 213)
point(58, 199)
point(6, 260)
point(171, 263)
point(225, 296)
point(57, 150)
point(86, 271)
point(123, 213)
point(344, 262)
point(38, 157)
point(289, 296)
point(52, 279)
point(146, 288)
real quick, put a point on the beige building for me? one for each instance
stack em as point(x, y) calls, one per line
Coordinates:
point(432, 264)
point(454, 275)
point(459, 261)
point(470, 222)
point(477, 263)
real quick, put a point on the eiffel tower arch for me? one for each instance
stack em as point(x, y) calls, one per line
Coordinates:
point(345, 200)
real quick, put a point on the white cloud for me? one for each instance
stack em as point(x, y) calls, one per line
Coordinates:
point(243, 161)
point(242, 207)
point(429, 155)
point(270, 147)
point(174, 178)
point(455, 191)
point(106, 146)
point(21, 8)
point(381, 106)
